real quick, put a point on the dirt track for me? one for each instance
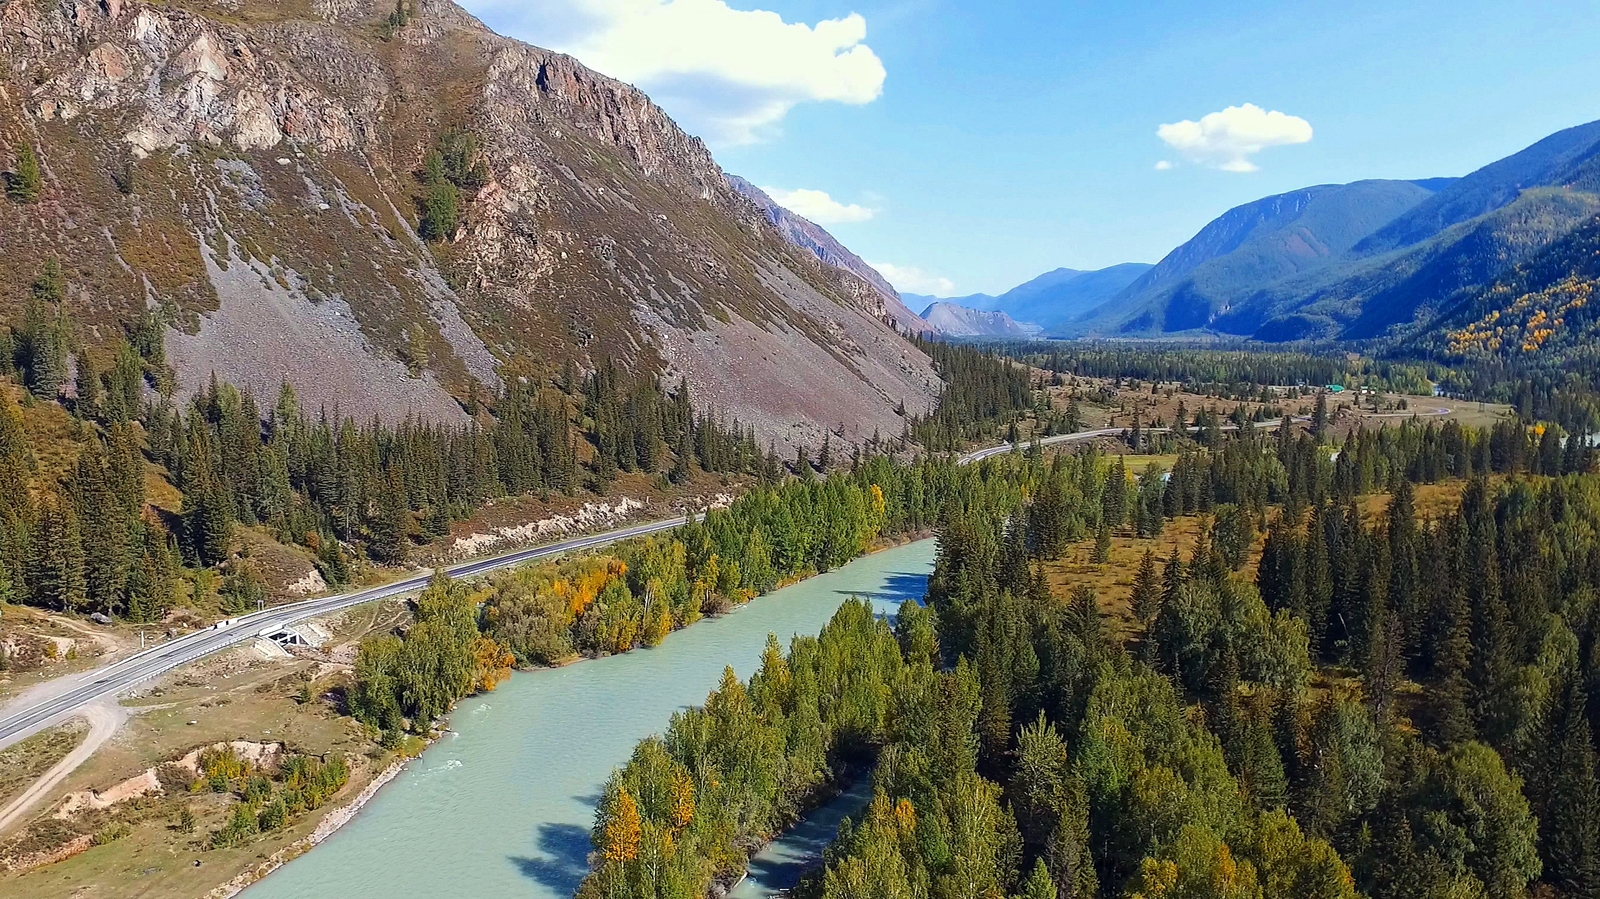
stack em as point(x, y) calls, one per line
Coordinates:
point(104, 718)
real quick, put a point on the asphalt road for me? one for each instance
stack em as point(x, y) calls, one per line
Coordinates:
point(113, 679)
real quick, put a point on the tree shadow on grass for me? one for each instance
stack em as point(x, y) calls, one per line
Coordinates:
point(563, 858)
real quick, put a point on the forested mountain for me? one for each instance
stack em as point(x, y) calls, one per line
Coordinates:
point(1254, 245)
point(396, 211)
point(1565, 158)
point(1366, 259)
point(1539, 313)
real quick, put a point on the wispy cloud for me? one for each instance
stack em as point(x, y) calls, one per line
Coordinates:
point(729, 75)
point(817, 206)
point(1227, 139)
point(914, 280)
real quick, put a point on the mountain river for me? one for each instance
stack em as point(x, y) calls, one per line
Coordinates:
point(501, 806)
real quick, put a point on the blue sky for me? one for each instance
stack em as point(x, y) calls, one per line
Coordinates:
point(969, 146)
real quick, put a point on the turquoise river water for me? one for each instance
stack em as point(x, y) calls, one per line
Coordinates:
point(501, 807)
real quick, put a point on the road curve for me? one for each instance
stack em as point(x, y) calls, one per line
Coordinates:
point(110, 680)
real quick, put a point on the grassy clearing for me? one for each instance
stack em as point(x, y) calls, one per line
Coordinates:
point(23, 763)
point(1112, 582)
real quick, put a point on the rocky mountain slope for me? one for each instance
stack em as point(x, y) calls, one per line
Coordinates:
point(954, 320)
point(260, 171)
point(813, 238)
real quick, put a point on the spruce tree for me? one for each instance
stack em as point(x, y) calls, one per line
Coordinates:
point(55, 569)
point(1147, 590)
point(1102, 544)
point(87, 403)
point(27, 181)
point(1566, 797)
point(45, 333)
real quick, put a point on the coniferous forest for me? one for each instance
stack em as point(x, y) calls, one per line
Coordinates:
point(1383, 705)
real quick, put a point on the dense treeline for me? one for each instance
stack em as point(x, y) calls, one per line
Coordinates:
point(1199, 767)
point(407, 681)
point(639, 591)
point(731, 773)
point(1207, 370)
point(1200, 763)
point(466, 639)
point(982, 391)
point(1036, 756)
point(86, 539)
point(328, 480)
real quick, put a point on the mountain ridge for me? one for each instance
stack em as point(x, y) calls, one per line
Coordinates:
point(277, 198)
point(1404, 272)
point(955, 320)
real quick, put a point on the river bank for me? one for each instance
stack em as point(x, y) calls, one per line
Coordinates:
point(503, 802)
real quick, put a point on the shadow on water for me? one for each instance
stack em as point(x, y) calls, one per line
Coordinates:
point(564, 861)
point(897, 587)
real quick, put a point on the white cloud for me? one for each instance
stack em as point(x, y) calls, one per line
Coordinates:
point(1226, 140)
point(730, 75)
point(1163, 165)
point(914, 280)
point(817, 206)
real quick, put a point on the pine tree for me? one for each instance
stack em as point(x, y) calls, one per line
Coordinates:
point(1114, 497)
point(1566, 797)
point(1039, 884)
point(681, 472)
point(106, 527)
point(45, 333)
point(55, 569)
point(1102, 544)
point(1147, 590)
point(390, 526)
point(27, 181)
point(87, 403)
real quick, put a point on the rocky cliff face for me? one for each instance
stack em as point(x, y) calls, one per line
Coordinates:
point(254, 169)
point(954, 320)
point(813, 238)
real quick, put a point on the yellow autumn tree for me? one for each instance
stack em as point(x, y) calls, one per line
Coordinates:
point(623, 831)
point(682, 800)
point(1197, 865)
point(492, 663)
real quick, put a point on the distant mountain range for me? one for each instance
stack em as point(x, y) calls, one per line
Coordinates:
point(1053, 301)
point(1366, 259)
